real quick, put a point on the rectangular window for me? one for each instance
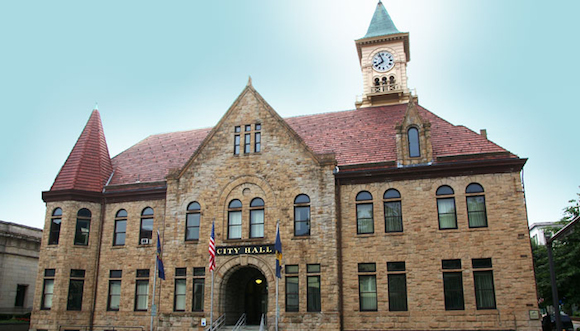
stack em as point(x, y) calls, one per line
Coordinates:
point(142, 290)
point(237, 131)
point(75, 290)
point(364, 218)
point(483, 281)
point(476, 211)
point(313, 290)
point(292, 289)
point(180, 289)
point(54, 231)
point(397, 280)
point(20, 295)
point(367, 286)
point(47, 289)
point(453, 284)
point(82, 232)
point(192, 226)
point(393, 217)
point(247, 143)
point(257, 142)
point(235, 225)
point(198, 288)
point(257, 223)
point(146, 231)
point(114, 299)
point(120, 231)
point(447, 215)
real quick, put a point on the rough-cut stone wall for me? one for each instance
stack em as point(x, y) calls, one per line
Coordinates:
point(422, 246)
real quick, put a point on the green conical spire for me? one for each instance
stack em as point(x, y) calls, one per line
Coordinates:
point(381, 24)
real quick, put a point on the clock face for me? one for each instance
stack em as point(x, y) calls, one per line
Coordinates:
point(383, 61)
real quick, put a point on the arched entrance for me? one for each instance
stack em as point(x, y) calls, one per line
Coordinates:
point(246, 291)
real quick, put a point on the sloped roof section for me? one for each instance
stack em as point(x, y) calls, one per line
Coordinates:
point(356, 137)
point(88, 166)
point(381, 23)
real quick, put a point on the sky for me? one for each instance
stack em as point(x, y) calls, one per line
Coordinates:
point(510, 67)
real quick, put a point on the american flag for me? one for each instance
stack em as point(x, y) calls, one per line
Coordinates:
point(212, 248)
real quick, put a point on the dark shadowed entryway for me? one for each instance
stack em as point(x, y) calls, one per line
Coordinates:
point(246, 292)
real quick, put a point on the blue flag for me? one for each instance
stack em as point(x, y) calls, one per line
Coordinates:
point(159, 260)
point(278, 249)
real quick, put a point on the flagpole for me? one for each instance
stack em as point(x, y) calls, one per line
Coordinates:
point(154, 283)
point(212, 252)
point(211, 302)
point(277, 304)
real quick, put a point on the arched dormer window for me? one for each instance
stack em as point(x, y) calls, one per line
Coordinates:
point(393, 215)
point(192, 220)
point(235, 219)
point(83, 227)
point(364, 213)
point(55, 222)
point(302, 215)
point(413, 137)
point(476, 212)
point(146, 230)
point(446, 208)
point(257, 218)
point(120, 228)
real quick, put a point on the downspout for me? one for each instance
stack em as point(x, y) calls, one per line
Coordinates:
point(337, 197)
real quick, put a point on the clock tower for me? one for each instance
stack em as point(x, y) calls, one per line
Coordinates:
point(383, 55)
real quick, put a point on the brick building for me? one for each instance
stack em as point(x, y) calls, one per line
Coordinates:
point(390, 218)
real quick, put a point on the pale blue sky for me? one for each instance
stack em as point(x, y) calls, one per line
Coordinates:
point(507, 66)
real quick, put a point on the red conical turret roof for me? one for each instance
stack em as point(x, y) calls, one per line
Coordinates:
point(88, 166)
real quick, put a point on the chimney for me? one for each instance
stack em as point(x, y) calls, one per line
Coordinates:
point(483, 133)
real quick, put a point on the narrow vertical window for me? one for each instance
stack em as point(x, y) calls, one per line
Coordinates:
point(47, 289)
point(257, 218)
point(302, 215)
point(292, 289)
point(393, 215)
point(367, 286)
point(20, 295)
point(198, 286)
point(397, 280)
point(146, 229)
point(75, 290)
point(142, 290)
point(364, 213)
point(55, 222)
point(180, 289)
point(446, 208)
point(258, 138)
point(247, 143)
point(192, 221)
point(114, 298)
point(483, 282)
point(413, 136)
point(237, 130)
point(235, 219)
point(83, 227)
point(476, 206)
point(313, 290)
point(120, 228)
point(453, 284)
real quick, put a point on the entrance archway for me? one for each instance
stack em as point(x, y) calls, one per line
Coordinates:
point(246, 291)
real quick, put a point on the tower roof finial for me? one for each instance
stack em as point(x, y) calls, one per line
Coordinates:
point(249, 81)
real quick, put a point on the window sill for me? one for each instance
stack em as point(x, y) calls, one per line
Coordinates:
point(81, 246)
point(192, 242)
point(118, 247)
point(144, 246)
point(398, 233)
point(301, 237)
point(246, 240)
point(365, 235)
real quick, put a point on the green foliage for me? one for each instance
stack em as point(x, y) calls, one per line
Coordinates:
point(567, 263)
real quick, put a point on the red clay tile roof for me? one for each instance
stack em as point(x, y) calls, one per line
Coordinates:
point(358, 136)
point(88, 166)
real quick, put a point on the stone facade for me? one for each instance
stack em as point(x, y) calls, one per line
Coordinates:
point(19, 248)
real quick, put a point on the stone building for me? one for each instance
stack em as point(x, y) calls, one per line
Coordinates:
point(390, 218)
point(19, 248)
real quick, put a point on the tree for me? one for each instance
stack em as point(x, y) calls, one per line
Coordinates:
point(566, 262)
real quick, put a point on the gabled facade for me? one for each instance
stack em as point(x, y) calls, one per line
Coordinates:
point(389, 217)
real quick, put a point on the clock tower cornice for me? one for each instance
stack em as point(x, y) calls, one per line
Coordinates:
point(403, 36)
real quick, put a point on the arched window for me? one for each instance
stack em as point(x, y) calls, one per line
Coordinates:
point(146, 230)
point(120, 228)
point(393, 215)
point(55, 222)
point(257, 218)
point(235, 219)
point(476, 212)
point(413, 135)
point(83, 227)
point(446, 208)
point(384, 80)
point(302, 215)
point(192, 220)
point(364, 213)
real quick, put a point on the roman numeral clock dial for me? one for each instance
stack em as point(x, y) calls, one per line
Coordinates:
point(383, 61)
